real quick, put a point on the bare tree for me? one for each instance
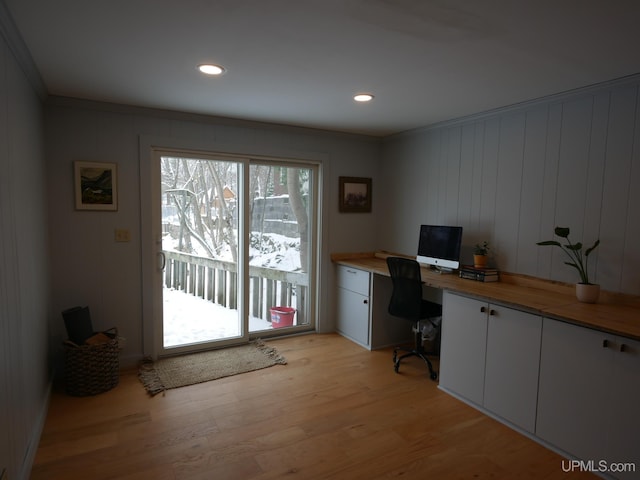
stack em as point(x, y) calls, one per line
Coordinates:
point(300, 212)
point(196, 190)
point(206, 219)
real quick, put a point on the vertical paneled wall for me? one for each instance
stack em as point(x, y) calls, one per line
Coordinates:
point(24, 273)
point(510, 176)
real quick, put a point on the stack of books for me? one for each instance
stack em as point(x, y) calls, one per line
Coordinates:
point(479, 274)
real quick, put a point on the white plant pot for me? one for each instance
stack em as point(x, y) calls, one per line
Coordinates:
point(587, 292)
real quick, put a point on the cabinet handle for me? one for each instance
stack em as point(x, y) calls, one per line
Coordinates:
point(492, 312)
point(365, 301)
point(605, 343)
point(623, 348)
point(483, 309)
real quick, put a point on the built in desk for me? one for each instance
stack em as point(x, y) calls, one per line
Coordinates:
point(614, 313)
point(523, 351)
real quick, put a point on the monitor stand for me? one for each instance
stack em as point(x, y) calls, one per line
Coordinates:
point(441, 270)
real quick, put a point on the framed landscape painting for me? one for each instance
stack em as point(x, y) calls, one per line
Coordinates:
point(96, 186)
point(355, 194)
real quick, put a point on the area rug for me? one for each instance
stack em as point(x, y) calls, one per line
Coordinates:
point(180, 371)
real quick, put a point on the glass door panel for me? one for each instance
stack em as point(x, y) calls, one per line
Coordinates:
point(200, 287)
point(281, 220)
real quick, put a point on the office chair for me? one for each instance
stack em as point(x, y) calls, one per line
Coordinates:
point(407, 303)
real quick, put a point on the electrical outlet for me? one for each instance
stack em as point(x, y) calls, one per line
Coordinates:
point(121, 235)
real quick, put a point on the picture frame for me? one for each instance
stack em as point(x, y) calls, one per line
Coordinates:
point(96, 185)
point(355, 194)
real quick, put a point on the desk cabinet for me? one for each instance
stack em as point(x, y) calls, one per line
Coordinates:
point(463, 346)
point(362, 310)
point(589, 394)
point(624, 422)
point(490, 355)
point(512, 366)
point(353, 304)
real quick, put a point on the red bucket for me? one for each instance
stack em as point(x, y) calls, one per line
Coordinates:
point(282, 316)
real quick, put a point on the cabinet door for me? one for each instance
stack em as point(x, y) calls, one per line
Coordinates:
point(463, 346)
point(574, 389)
point(353, 316)
point(624, 424)
point(513, 359)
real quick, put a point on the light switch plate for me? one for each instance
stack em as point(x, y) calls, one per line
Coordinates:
point(122, 235)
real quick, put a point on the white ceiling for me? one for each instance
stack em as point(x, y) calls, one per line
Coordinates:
point(299, 62)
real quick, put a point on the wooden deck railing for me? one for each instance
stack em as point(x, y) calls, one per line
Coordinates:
point(216, 281)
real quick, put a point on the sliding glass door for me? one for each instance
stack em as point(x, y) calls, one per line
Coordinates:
point(236, 243)
point(280, 254)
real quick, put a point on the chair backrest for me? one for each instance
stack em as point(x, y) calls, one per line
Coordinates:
point(406, 298)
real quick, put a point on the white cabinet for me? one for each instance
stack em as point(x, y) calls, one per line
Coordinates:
point(353, 304)
point(624, 423)
point(362, 310)
point(589, 394)
point(512, 365)
point(490, 355)
point(463, 346)
point(573, 376)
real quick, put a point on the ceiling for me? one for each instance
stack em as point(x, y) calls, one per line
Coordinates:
point(299, 62)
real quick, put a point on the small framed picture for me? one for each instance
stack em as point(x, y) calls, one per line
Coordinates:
point(355, 194)
point(96, 186)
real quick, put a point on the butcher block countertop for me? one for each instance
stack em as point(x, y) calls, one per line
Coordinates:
point(614, 313)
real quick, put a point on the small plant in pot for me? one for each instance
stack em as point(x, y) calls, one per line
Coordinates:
point(585, 290)
point(480, 252)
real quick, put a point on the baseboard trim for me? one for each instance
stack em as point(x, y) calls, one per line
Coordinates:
point(36, 435)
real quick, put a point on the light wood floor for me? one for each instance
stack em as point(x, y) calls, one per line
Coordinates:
point(335, 411)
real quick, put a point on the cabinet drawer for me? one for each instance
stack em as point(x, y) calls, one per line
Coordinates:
point(353, 279)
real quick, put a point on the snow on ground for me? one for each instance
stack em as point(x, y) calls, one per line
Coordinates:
point(276, 251)
point(189, 319)
point(265, 250)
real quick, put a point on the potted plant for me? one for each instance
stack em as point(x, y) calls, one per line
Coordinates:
point(585, 290)
point(480, 253)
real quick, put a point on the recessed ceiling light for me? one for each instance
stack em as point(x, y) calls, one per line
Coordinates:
point(211, 69)
point(363, 97)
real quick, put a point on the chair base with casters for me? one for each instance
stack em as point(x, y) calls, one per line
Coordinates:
point(418, 350)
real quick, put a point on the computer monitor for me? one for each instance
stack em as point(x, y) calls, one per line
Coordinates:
point(439, 247)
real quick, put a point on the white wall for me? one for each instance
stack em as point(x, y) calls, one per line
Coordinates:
point(24, 273)
point(90, 268)
point(512, 175)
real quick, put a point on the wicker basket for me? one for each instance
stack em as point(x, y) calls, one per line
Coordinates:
point(92, 369)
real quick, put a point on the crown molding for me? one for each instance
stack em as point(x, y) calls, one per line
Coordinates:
point(20, 51)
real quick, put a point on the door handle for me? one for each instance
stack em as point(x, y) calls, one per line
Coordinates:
point(163, 260)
